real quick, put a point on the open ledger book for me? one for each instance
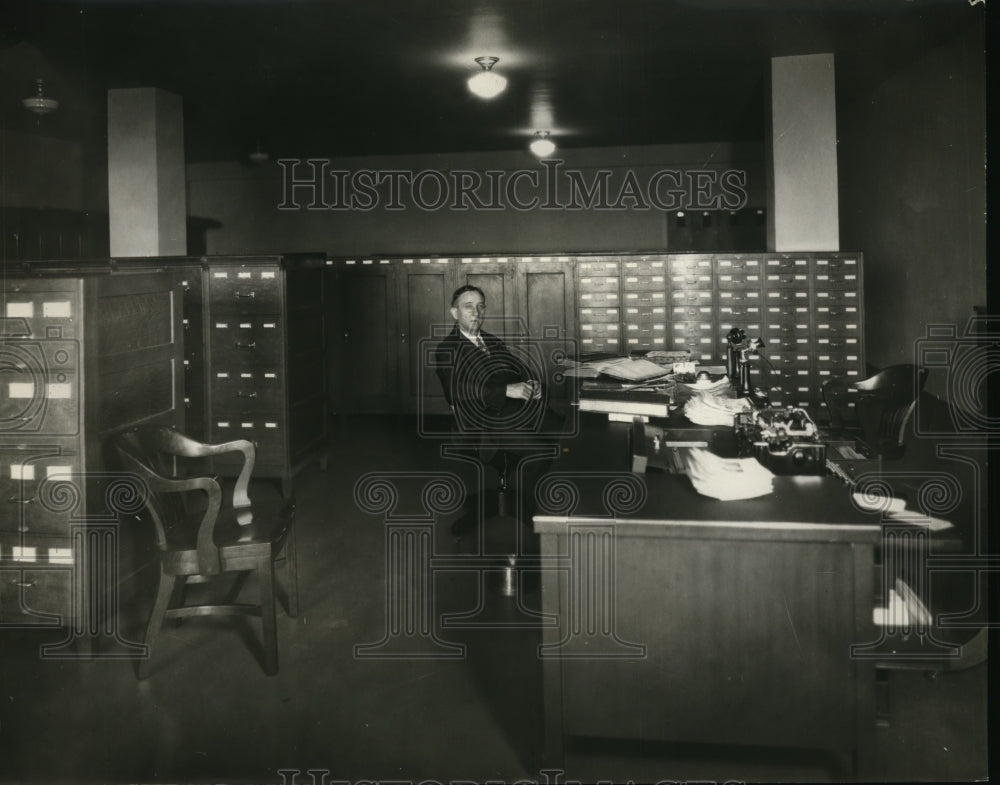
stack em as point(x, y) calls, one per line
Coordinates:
point(624, 368)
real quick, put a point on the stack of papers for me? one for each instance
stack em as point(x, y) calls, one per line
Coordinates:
point(708, 409)
point(894, 509)
point(626, 368)
point(726, 478)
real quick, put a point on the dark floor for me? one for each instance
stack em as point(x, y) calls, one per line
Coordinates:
point(208, 714)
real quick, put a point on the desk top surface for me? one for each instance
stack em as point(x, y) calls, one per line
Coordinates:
point(592, 483)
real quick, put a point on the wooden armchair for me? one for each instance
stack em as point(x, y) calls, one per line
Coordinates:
point(878, 409)
point(201, 539)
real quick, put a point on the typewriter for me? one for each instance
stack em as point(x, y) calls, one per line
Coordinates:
point(786, 440)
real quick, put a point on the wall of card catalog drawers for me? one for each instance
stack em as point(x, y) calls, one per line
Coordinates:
point(82, 355)
point(806, 307)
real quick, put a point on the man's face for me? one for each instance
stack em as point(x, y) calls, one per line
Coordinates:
point(469, 311)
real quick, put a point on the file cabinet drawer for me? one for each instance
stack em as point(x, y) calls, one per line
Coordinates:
point(691, 297)
point(838, 278)
point(658, 297)
point(739, 280)
point(644, 267)
point(245, 340)
point(594, 267)
point(641, 342)
point(598, 299)
point(737, 263)
point(598, 315)
point(247, 390)
point(590, 344)
point(599, 283)
point(644, 283)
point(689, 265)
point(264, 430)
point(34, 595)
point(235, 290)
point(39, 310)
point(39, 490)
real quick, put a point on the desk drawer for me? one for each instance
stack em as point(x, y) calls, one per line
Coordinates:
point(244, 290)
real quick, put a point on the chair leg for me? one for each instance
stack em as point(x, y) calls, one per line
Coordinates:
point(292, 576)
point(265, 573)
point(165, 591)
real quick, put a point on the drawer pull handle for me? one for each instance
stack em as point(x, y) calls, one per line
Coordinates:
point(15, 500)
point(22, 584)
point(248, 295)
point(241, 394)
point(247, 345)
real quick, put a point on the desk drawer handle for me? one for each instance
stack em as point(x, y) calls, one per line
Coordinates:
point(15, 500)
point(247, 345)
point(22, 584)
point(248, 295)
point(241, 394)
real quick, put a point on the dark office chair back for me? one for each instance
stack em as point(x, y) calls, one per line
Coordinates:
point(879, 407)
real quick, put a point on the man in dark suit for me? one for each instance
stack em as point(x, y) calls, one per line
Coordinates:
point(488, 387)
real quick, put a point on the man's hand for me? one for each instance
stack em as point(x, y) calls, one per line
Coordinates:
point(526, 391)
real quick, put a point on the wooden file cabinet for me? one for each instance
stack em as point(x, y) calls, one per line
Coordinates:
point(265, 359)
point(81, 356)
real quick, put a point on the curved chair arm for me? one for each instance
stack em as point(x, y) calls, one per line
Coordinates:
point(172, 442)
point(209, 562)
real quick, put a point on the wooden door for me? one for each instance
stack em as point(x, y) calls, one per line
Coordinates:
point(423, 296)
point(363, 337)
point(545, 310)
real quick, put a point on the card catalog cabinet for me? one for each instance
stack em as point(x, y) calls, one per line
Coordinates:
point(265, 359)
point(81, 356)
point(806, 307)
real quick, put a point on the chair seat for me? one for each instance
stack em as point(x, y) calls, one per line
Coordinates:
point(240, 545)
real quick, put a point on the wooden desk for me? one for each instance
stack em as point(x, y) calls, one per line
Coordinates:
point(688, 619)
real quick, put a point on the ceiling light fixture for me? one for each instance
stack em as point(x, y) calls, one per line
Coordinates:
point(542, 146)
point(258, 156)
point(487, 83)
point(40, 103)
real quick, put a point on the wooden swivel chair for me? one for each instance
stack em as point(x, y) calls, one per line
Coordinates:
point(201, 539)
point(878, 409)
